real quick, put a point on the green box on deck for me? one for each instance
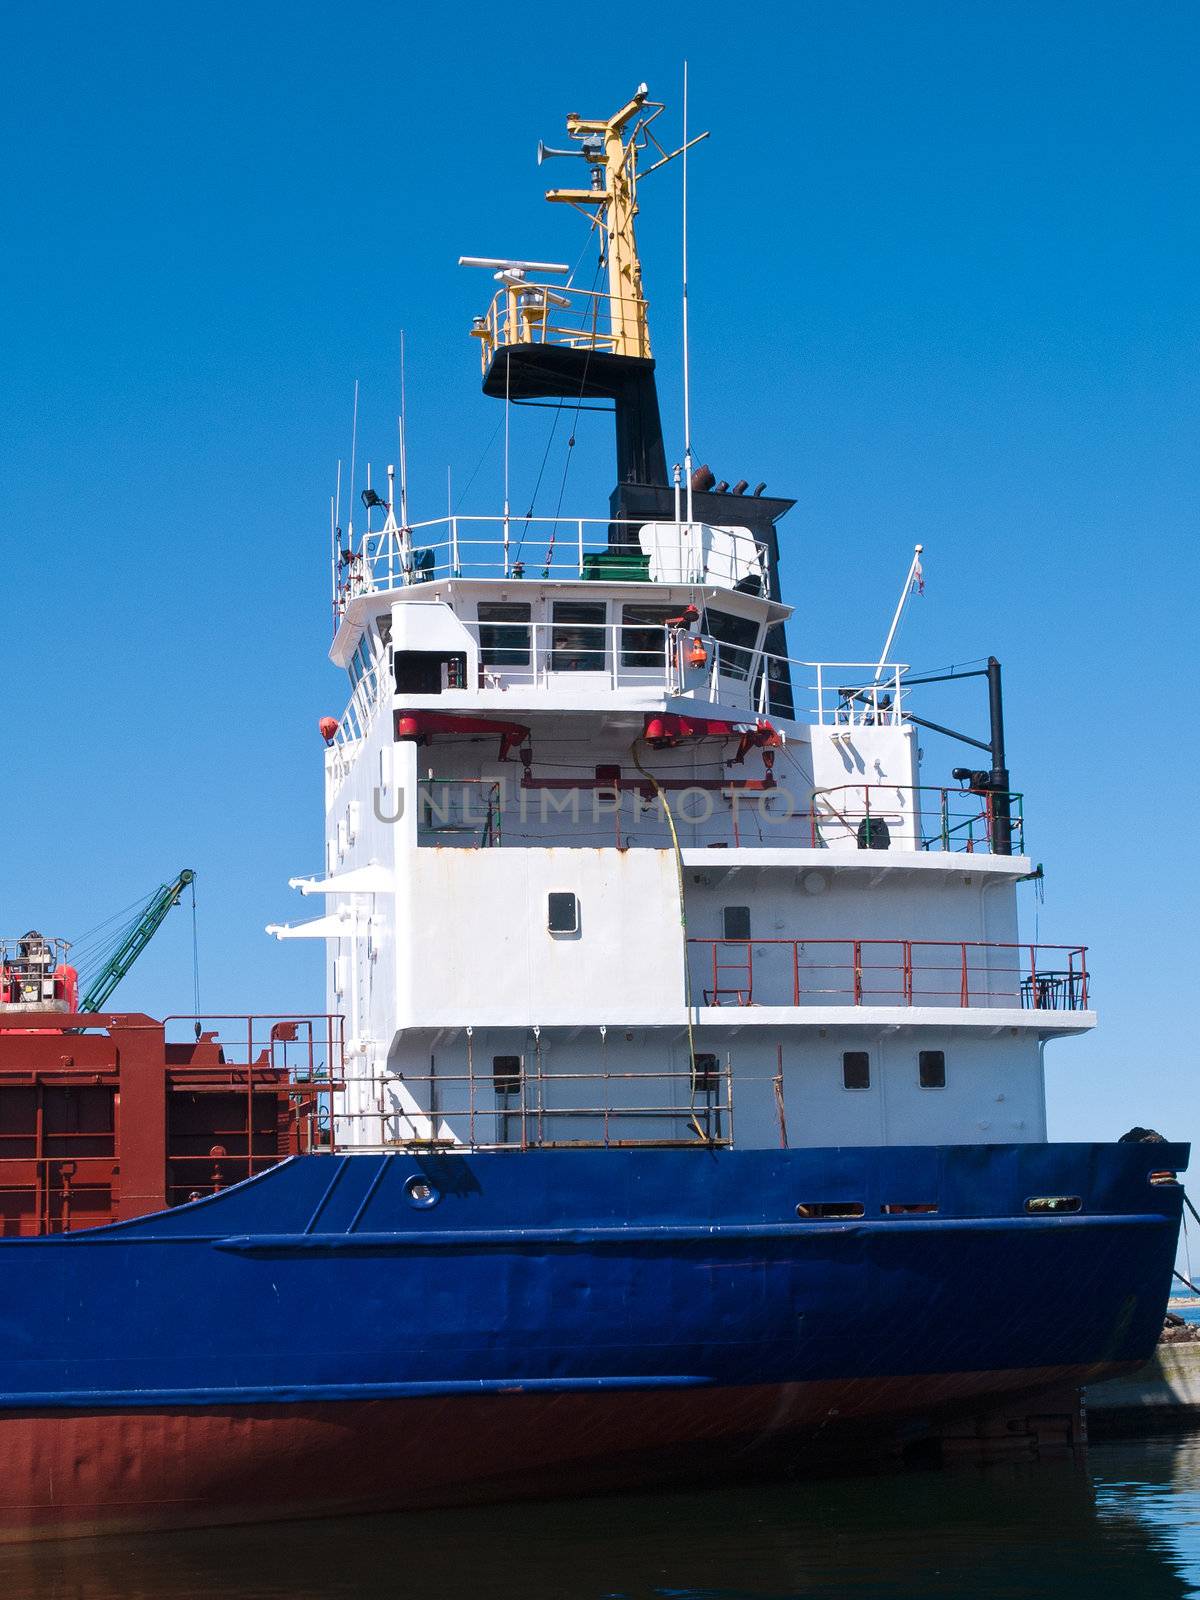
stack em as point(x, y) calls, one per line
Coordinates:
point(617, 566)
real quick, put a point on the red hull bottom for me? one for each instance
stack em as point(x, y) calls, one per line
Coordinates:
point(70, 1474)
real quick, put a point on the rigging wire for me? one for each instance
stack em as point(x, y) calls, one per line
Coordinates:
point(195, 961)
point(486, 452)
point(558, 410)
point(91, 954)
point(134, 905)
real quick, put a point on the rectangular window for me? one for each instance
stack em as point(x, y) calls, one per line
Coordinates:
point(644, 635)
point(736, 920)
point(503, 633)
point(814, 1210)
point(506, 1076)
point(578, 636)
point(736, 638)
point(360, 662)
point(856, 1069)
point(562, 913)
point(706, 1074)
point(931, 1068)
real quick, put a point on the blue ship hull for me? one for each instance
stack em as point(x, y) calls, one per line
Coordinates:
point(359, 1331)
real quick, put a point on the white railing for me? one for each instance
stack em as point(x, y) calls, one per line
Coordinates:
point(629, 656)
point(370, 692)
point(858, 694)
point(621, 655)
point(545, 313)
point(559, 548)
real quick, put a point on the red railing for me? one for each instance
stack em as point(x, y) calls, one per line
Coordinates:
point(268, 1082)
point(890, 972)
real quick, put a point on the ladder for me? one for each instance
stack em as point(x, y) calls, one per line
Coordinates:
point(732, 973)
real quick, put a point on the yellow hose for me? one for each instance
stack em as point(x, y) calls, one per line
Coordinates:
point(660, 792)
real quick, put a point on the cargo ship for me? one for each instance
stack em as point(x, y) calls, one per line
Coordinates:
point(608, 874)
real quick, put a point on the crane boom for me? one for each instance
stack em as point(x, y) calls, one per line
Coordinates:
point(135, 941)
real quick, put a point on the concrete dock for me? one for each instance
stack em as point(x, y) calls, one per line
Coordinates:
point(1164, 1394)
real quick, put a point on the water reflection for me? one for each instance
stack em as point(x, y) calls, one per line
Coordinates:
point(1126, 1524)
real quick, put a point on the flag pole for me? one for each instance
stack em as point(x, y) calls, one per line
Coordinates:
point(914, 577)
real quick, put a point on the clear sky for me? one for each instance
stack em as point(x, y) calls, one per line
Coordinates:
point(944, 287)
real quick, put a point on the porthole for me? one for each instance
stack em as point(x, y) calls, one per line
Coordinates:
point(421, 1192)
point(1038, 1205)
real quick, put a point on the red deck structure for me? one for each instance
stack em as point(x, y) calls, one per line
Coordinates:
point(103, 1117)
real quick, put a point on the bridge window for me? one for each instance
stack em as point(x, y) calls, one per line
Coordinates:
point(931, 1069)
point(856, 1069)
point(503, 633)
point(736, 638)
point(360, 662)
point(578, 642)
point(736, 922)
point(643, 635)
point(563, 913)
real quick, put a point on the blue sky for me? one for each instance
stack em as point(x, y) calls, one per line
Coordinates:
point(944, 287)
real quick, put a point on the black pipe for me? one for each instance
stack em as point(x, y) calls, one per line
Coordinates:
point(1001, 798)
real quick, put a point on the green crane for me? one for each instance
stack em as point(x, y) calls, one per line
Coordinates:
point(134, 941)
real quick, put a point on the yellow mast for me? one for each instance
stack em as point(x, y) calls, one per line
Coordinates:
point(524, 311)
point(613, 193)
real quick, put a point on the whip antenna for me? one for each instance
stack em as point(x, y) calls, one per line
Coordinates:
point(687, 377)
point(353, 456)
point(403, 442)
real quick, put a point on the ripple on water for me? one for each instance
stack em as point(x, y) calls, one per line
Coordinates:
point(1126, 1524)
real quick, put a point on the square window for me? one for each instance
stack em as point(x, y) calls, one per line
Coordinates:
point(735, 639)
point(562, 913)
point(503, 633)
point(644, 635)
point(931, 1068)
point(856, 1069)
point(706, 1074)
point(736, 922)
point(506, 1076)
point(577, 643)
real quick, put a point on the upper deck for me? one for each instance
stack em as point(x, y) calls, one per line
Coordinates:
point(555, 549)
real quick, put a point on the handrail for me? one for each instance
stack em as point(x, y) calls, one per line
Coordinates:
point(470, 1110)
point(970, 830)
point(534, 313)
point(356, 720)
point(607, 642)
point(392, 557)
point(1030, 984)
point(590, 812)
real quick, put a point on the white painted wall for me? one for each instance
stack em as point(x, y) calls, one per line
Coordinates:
point(476, 946)
point(993, 1092)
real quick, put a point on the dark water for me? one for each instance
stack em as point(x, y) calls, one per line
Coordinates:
point(1126, 1524)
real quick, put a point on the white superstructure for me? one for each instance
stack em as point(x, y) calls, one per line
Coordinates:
point(603, 866)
